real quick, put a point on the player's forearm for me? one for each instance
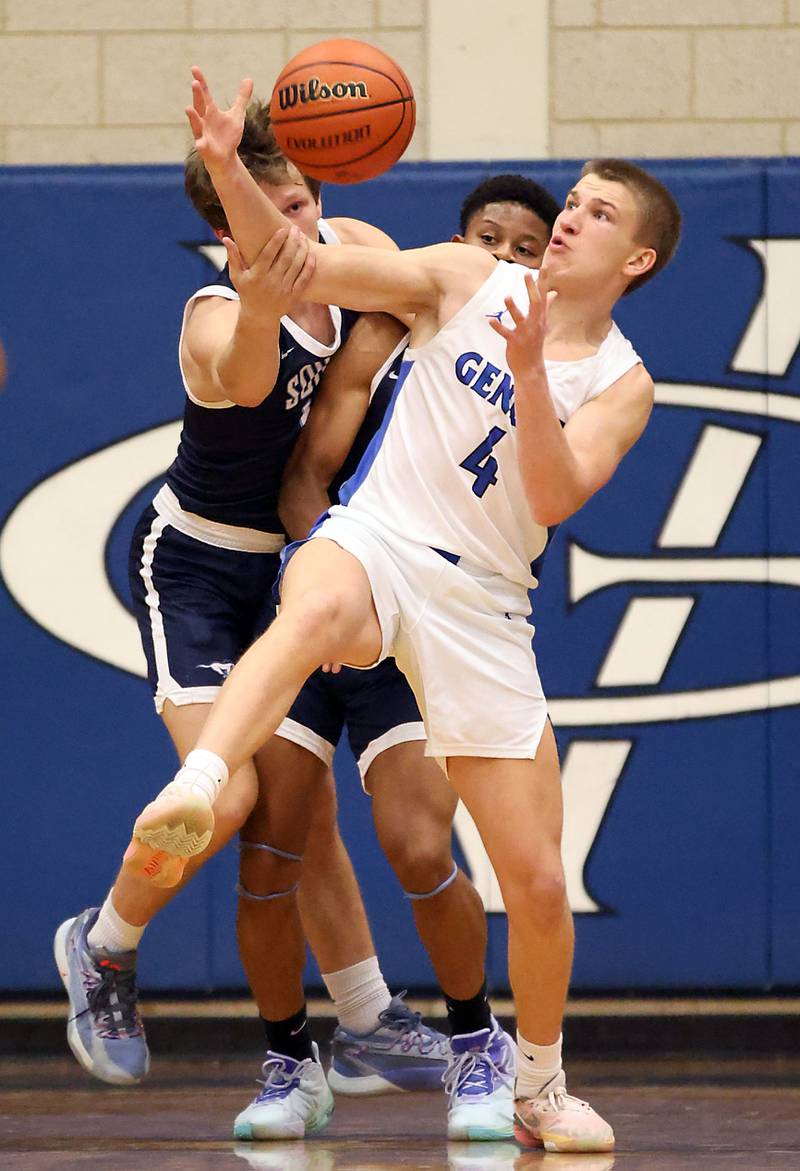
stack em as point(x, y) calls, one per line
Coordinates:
point(252, 217)
point(302, 501)
point(248, 366)
point(551, 475)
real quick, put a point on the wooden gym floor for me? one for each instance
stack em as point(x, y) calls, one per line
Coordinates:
point(669, 1115)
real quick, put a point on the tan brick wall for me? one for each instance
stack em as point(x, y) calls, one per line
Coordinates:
point(675, 77)
point(102, 81)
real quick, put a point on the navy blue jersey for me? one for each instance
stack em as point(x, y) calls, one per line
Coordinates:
point(381, 391)
point(231, 459)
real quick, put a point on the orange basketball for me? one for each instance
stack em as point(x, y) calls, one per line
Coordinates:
point(342, 111)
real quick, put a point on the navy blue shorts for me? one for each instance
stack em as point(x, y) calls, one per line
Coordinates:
point(198, 605)
point(376, 706)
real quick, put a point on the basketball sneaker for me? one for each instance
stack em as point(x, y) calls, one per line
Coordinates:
point(295, 1100)
point(558, 1122)
point(479, 1083)
point(174, 827)
point(104, 1030)
point(400, 1054)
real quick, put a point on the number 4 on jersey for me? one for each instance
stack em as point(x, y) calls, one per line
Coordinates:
point(481, 463)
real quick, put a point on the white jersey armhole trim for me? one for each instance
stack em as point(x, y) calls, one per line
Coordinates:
point(618, 364)
point(298, 333)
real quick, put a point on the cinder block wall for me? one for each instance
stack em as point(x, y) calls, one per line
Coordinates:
point(100, 81)
point(674, 77)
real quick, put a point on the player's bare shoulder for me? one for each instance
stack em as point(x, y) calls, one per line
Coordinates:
point(627, 404)
point(209, 326)
point(352, 231)
point(635, 389)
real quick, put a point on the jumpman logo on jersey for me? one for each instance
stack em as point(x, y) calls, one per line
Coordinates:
point(496, 316)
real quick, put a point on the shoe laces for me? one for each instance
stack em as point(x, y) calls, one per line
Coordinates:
point(111, 998)
point(559, 1099)
point(473, 1073)
point(412, 1033)
point(280, 1077)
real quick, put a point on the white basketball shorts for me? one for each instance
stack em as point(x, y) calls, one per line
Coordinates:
point(460, 636)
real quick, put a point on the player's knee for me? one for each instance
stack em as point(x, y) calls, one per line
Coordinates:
point(420, 863)
point(537, 890)
point(316, 615)
point(266, 871)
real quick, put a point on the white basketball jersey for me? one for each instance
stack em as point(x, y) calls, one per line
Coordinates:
point(443, 468)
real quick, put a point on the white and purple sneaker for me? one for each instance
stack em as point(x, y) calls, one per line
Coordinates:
point(104, 1030)
point(479, 1082)
point(294, 1101)
point(401, 1054)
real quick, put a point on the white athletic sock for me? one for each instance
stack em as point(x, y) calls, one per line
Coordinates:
point(203, 770)
point(536, 1066)
point(112, 932)
point(359, 994)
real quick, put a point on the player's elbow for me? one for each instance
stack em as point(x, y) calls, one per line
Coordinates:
point(548, 515)
point(552, 508)
point(244, 395)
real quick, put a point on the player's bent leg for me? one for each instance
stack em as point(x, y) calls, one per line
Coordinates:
point(294, 1099)
point(413, 808)
point(502, 796)
point(326, 615)
point(95, 952)
point(147, 866)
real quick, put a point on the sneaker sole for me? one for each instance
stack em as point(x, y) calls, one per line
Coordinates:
point(159, 868)
point(79, 1050)
point(368, 1085)
point(480, 1134)
point(252, 1132)
point(165, 835)
point(559, 1144)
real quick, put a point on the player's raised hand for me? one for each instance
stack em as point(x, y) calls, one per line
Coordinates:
point(217, 133)
point(525, 340)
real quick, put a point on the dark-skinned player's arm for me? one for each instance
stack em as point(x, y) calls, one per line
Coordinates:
point(334, 421)
point(351, 275)
point(562, 467)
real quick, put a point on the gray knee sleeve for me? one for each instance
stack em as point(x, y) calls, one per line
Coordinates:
point(430, 894)
point(242, 890)
point(242, 846)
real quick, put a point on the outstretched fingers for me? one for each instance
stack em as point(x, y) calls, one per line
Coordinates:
point(244, 95)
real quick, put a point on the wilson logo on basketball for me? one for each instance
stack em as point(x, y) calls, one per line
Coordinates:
point(315, 90)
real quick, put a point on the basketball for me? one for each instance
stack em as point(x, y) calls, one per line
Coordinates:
point(342, 111)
